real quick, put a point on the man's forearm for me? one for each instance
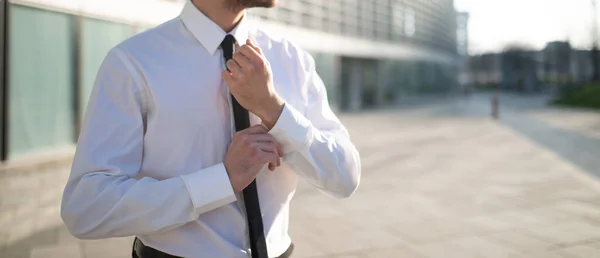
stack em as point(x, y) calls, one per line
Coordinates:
point(97, 205)
point(326, 157)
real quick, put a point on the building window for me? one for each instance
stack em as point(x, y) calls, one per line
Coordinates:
point(409, 22)
point(41, 115)
point(397, 19)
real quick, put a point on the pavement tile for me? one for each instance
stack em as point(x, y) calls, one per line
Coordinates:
point(595, 244)
point(523, 218)
point(20, 230)
point(551, 214)
point(304, 248)
point(566, 233)
point(520, 241)
point(71, 251)
point(65, 237)
point(486, 223)
point(443, 250)
point(429, 231)
point(365, 239)
point(397, 251)
point(25, 211)
point(19, 253)
point(113, 248)
point(47, 217)
point(582, 194)
point(455, 184)
point(6, 218)
point(578, 208)
point(547, 254)
point(582, 251)
point(349, 256)
point(4, 236)
point(483, 248)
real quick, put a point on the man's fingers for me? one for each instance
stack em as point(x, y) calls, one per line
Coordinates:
point(272, 149)
point(251, 53)
point(269, 138)
point(267, 143)
point(255, 129)
point(227, 77)
point(234, 67)
point(267, 147)
point(251, 43)
point(263, 137)
point(270, 155)
point(279, 149)
point(243, 62)
point(274, 159)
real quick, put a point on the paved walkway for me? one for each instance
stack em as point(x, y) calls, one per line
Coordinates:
point(442, 181)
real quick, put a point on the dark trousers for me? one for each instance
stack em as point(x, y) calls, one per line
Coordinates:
point(142, 251)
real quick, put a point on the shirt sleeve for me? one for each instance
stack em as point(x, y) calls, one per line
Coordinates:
point(104, 196)
point(316, 144)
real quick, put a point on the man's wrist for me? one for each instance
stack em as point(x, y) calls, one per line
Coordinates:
point(271, 112)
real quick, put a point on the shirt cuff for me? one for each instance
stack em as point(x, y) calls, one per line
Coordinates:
point(209, 188)
point(292, 130)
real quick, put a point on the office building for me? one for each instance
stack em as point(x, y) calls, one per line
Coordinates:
point(368, 52)
point(462, 33)
point(526, 70)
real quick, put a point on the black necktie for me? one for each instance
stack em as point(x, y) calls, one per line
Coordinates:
point(258, 246)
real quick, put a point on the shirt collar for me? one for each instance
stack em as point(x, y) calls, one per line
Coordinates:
point(208, 33)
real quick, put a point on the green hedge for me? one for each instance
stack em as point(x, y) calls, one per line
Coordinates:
point(588, 97)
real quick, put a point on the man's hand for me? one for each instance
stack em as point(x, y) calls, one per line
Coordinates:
point(250, 150)
point(251, 83)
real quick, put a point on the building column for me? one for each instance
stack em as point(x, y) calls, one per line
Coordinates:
point(335, 83)
point(4, 80)
point(383, 79)
point(355, 79)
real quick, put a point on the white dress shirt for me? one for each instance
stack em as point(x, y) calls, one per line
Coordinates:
point(149, 160)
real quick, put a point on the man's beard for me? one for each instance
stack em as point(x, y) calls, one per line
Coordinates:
point(238, 5)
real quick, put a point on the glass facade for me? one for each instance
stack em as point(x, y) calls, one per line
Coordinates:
point(327, 66)
point(50, 63)
point(54, 58)
point(40, 80)
point(430, 23)
point(424, 24)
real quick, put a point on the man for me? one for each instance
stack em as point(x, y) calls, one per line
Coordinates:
point(161, 155)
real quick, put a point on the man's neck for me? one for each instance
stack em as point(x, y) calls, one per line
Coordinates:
point(217, 11)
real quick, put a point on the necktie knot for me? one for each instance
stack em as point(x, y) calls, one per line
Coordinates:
point(228, 46)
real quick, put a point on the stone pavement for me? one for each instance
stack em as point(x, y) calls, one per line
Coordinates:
point(441, 181)
point(583, 121)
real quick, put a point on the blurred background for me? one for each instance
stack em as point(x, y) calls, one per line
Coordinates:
point(477, 122)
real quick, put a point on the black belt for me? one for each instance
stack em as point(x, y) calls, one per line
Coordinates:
point(142, 251)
